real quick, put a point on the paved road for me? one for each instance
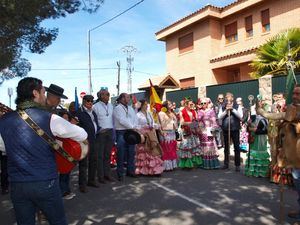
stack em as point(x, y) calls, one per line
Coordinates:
point(181, 197)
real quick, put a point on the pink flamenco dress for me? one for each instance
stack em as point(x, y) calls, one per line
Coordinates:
point(148, 160)
point(207, 122)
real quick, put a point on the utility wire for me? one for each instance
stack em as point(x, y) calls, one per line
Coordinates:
point(103, 68)
point(117, 15)
point(82, 69)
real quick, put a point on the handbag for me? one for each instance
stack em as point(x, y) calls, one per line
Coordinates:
point(66, 155)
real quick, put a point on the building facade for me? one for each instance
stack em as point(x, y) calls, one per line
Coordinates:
point(215, 45)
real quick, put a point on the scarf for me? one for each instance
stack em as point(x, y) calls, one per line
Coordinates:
point(30, 104)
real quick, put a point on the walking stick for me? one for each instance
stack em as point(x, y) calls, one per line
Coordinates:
point(281, 218)
point(250, 98)
point(228, 112)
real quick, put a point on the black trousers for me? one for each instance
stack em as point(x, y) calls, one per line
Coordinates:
point(104, 151)
point(88, 165)
point(4, 175)
point(235, 137)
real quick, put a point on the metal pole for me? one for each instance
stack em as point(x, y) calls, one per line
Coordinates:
point(119, 70)
point(90, 63)
point(281, 201)
point(228, 112)
point(129, 50)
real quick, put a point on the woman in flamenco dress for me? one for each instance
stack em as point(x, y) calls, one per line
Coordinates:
point(189, 152)
point(148, 155)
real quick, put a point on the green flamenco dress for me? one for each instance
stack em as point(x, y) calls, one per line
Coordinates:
point(258, 162)
point(189, 152)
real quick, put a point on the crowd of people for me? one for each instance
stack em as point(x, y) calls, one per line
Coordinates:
point(149, 142)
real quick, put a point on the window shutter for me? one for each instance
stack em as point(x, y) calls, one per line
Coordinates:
point(248, 23)
point(186, 43)
point(265, 17)
point(231, 29)
point(187, 82)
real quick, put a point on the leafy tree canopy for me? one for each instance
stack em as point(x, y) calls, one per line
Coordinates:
point(20, 29)
point(272, 57)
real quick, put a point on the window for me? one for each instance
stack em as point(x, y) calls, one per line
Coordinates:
point(187, 82)
point(265, 20)
point(231, 34)
point(186, 43)
point(249, 26)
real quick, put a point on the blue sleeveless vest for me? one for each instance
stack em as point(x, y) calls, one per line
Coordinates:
point(30, 158)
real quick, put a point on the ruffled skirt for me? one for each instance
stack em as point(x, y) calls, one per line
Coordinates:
point(147, 164)
point(189, 152)
point(209, 152)
point(258, 161)
point(168, 144)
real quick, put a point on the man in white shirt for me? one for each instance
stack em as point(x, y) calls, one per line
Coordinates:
point(124, 119)
point(104, 112)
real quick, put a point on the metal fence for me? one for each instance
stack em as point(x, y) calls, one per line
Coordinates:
point(177, 96)
point(239, 89)
point(278, 83)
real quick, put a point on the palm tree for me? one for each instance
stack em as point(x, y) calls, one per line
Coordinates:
point(271, 57)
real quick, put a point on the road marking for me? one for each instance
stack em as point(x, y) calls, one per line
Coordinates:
point(215, 211)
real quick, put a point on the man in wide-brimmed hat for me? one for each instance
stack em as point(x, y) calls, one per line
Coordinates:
point(54, 95)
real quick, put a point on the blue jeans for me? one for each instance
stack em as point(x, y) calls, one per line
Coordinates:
point(124, 149)
point(64, 183)
point(296, 177)
point(28, 197)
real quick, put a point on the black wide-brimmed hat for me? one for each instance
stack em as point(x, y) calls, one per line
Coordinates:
point(56, 90)
point(133, 137)
point(88, 97)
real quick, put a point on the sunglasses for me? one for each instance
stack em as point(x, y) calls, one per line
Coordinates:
point(220, 98)
point(88, 100)
point(204, 103)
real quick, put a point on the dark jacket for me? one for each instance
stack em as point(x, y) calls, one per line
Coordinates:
point(234, 120)
point(85, 121)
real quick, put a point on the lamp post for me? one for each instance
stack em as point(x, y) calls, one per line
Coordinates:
point(90, 63)
point(89, 41)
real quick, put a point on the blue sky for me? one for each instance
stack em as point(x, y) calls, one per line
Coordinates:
point(137, 28)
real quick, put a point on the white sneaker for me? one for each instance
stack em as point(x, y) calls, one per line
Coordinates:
point(69, 196)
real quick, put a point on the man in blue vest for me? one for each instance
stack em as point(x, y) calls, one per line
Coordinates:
point(31, 160)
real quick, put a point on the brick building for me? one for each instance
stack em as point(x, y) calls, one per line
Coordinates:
point(214, 45)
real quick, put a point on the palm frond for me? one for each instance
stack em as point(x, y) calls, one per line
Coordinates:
point(271, 58)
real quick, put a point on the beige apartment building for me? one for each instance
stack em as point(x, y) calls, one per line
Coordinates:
point(215, 45)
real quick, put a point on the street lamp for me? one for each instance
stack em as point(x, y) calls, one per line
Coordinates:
point(89, 41)
point(90, 62)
